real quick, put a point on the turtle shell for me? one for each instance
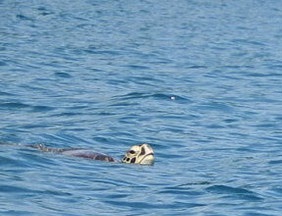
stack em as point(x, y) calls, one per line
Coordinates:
point(76, 152)
point(84, 153)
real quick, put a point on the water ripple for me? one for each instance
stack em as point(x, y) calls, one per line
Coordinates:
point(234, 192)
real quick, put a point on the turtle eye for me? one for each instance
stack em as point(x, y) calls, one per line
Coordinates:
point(132, 152)
point(142, 151)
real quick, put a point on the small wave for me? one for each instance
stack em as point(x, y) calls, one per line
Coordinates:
point(153, 205)
point(184, 189)
point(232, 192)
point(2, 63)
point(24, 17)
point(275, 162)
point(14, 105)
point(2, 93)
point(158, 96)
point(62, 75)
point(15, 189)
point(19, 105)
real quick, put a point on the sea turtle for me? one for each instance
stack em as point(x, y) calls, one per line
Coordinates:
point(137, 154)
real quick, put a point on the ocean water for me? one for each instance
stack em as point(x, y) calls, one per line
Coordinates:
point(201, 81)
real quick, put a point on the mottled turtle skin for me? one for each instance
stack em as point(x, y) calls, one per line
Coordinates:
point(137, 154)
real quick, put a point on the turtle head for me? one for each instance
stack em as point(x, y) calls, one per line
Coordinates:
point(139, 154)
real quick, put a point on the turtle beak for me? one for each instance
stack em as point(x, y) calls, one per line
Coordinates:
point(148, 159)
point(147, 155)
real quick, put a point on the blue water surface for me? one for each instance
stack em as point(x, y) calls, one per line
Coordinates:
point(201, 81)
